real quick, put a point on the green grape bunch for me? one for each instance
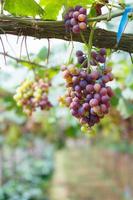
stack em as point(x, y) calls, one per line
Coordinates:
point(32, 95)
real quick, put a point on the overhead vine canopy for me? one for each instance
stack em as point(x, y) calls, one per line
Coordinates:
point(40, 20)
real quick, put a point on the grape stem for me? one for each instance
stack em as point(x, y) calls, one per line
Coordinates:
point(71, 48)
point(83, 38)
point(90, 43)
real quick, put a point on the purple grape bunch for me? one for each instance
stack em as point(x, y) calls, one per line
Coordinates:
point(76, 19)
point(32, 95)
point(98, 57)
point(88, 96)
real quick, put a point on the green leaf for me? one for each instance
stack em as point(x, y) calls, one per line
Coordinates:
point(114, 101)
point(23, 7)
point(42, 55)
point(81, 2)
point(125, 108)
point(129, 80)
point(52, 8)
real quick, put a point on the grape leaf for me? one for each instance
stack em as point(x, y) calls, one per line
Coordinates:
point(52, 8)
point(125, 108)
point(23, 7)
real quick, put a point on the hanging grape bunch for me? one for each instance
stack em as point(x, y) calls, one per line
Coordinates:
point(88, 96)
point(32, 95)
point(76, 19)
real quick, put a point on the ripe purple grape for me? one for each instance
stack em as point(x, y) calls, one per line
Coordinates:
point(102, 51)
point(83, 84)
point(89, 88)
point(73, 22)
point(79, 53)
point(83, 11)
point(81, 59)
point(82, 26)
point(76, 29)
point(93, 102)
point(77, 8)
point(76, 14)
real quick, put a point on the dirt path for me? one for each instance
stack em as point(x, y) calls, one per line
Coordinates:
point(91, 174)
point(59, 188)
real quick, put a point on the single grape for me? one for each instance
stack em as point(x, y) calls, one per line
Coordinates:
point(76, 14)
point(103, 91)
point(89, 88)
point(83, 11)
point(81, 59)
point(73, 21)
point(105, 99)
point(76, 29)
point(83, 84)
point(94, 75)
point(82, 17)
point(79, 53)
point(77, 8)
point(97, 87)
point(93, 102)
point(104, 108)
point(97, 96)
point(94, 55)
point(82, 26)
point(102, 51)
point(86, 106)
point(68, 24)
point(75, 79)
point(77, 88)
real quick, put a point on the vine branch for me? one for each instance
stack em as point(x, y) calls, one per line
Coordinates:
point(55, 29)
point(22, 60)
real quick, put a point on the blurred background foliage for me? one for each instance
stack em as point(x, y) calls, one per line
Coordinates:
point(28, 145)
